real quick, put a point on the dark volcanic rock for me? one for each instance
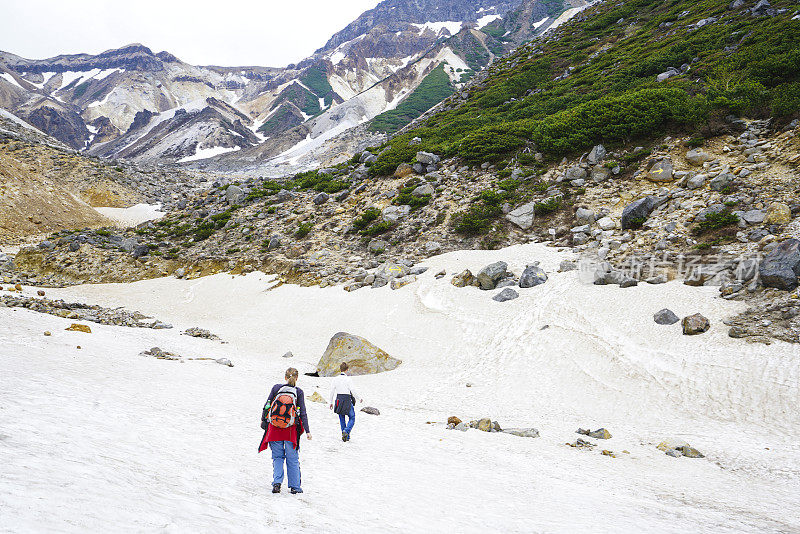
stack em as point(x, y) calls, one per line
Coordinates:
point(781, 268)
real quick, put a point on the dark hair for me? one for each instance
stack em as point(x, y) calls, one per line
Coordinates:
point(291, 376)
point(343, 367)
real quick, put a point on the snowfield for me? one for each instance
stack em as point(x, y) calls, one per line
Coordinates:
point(103, 439)
point(133, 215)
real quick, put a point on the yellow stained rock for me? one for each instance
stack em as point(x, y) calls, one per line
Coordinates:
point(778, 213)
point(79, 328)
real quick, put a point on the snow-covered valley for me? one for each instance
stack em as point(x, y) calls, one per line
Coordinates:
point(103, 439)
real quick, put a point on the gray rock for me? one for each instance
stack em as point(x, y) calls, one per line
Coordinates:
point(235, 194)
point(288, 355)
point(462, 426)
point(566, 266)
point(432, 247)
point(665, 317)
point(666, 75)
point(224, 361)
point(600, 173)
point(675, 453)
point(506, 294)
point(274, 242)
point(284, 195)
point(579, 238)
point(47, 245)
point(658, 279)
point(426, 158)
point(522, 432)
point(127, 245)
point(697, 181)
point(635, 213)
point(596, 155)
point(523, 216)
point(606, 223)
point(697, 157)
point(377, 245)
point(584, 216)
point(393, 214)
point(721, 182)
point(491, 274)
point(370, 410)
point(425, 189)
point(321, 198)
point(690, 452)
point(576, 173)
point(754, 216)
point(781, 268)
point(532, 276)
point(139, 251)
point(661, 171)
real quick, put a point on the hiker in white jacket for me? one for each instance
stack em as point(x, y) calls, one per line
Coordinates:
point(343, 399)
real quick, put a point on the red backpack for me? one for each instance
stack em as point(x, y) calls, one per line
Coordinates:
point(283, 410)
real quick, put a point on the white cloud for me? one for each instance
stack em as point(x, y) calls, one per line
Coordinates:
point(203, 32)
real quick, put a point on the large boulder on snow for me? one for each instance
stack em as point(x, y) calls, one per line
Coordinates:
point(491, 274)
point(781, 268)
point(362, 357)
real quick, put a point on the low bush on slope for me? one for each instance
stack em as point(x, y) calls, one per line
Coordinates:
point(594, 81)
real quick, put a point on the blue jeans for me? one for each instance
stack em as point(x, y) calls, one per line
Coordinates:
point(284, 450)
point(351, 421)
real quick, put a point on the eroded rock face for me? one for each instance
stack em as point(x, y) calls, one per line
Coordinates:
point(361, 356)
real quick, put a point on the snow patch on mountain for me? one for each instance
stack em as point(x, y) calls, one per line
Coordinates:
point(486, 19)
point(451, 26)
point(205, 153)
point(10, 79)
point(568, 14)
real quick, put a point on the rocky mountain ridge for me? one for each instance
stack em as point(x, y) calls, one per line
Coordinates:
point(243, 117)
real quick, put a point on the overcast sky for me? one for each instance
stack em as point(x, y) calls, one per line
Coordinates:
point(270, 33)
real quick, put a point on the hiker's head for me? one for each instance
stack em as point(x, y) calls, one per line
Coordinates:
point(343, 368)
point(291, 376)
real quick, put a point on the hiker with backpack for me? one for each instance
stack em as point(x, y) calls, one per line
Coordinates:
point(343, 399)
point(284, 419)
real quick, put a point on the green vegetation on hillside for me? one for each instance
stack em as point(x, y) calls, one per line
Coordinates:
point(596, 83)
point(432, 90)
point(316, 79)
point(279, 120)
point(301, 97)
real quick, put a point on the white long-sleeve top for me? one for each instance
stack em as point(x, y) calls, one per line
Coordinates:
point(343, 385)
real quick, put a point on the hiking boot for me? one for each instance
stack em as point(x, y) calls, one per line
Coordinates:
point(295, 490)
point(276, 488)
point(345, 436)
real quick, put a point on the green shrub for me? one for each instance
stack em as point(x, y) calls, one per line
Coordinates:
point(715, 221)
point(366, 218)
point(303, 230)
point(548, 206)
point(433, 89)
point(378, 228)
